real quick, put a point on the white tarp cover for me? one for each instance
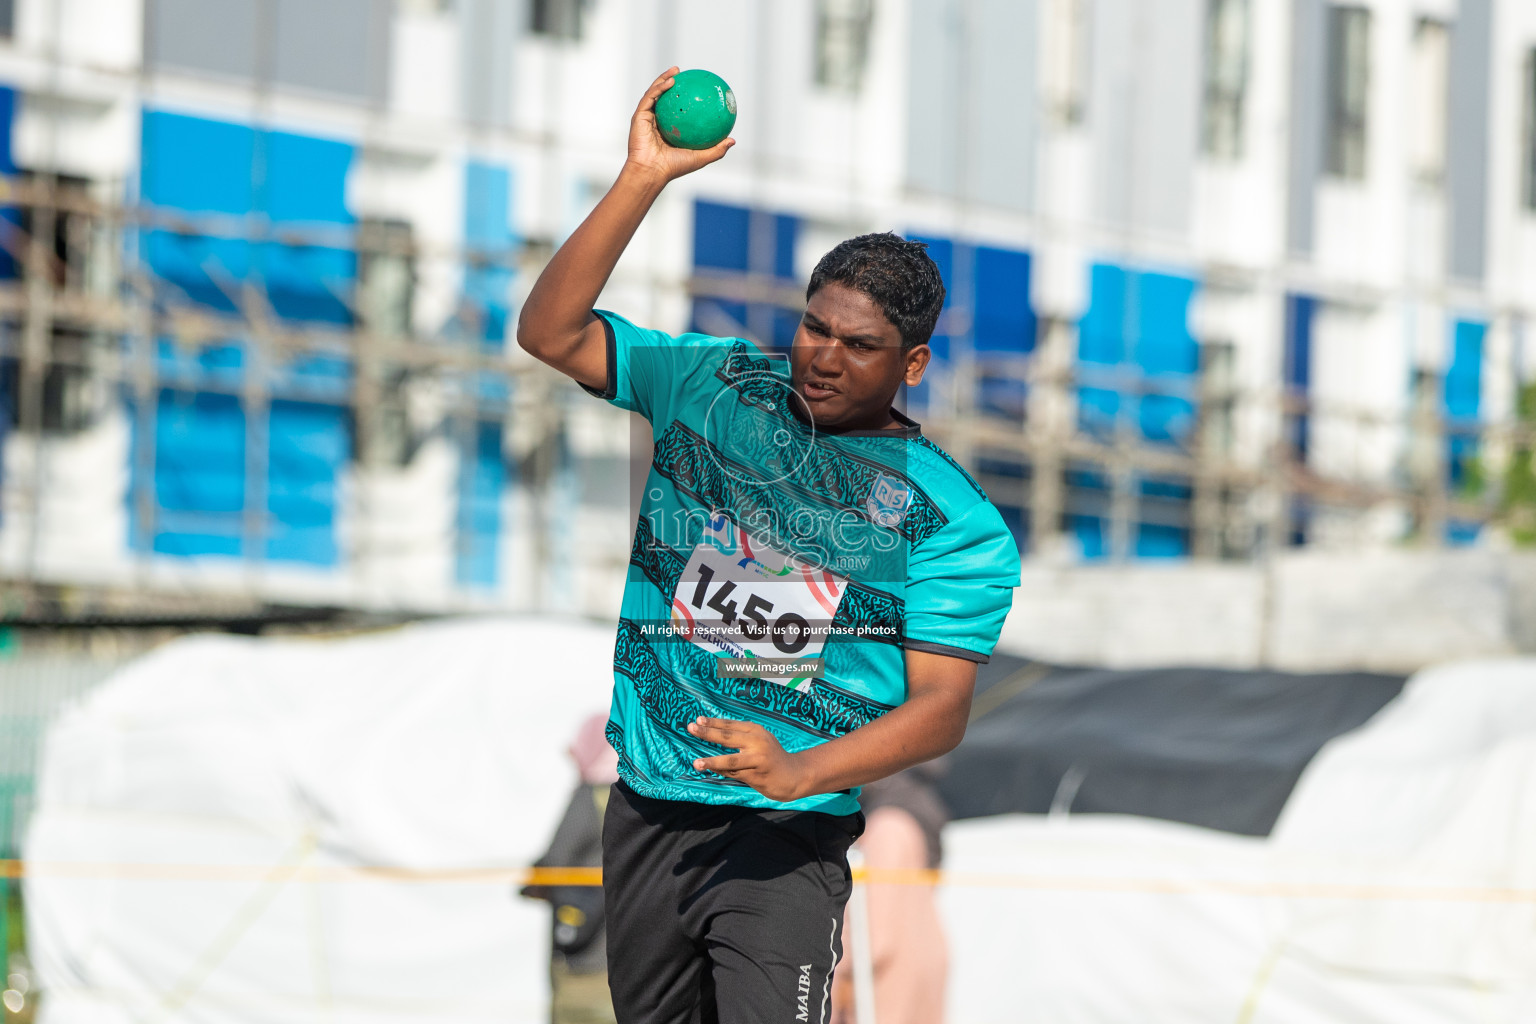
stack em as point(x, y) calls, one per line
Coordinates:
point(194, 789)
point(432, 747)
point(1398, 886)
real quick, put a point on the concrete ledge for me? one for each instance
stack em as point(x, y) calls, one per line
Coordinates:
point(1394, 611)
point(1131, 616)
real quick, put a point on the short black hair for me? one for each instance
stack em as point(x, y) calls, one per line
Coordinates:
point(898, 275)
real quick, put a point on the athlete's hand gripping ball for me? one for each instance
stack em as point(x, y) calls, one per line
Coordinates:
point(650, 153)
point(759, 760)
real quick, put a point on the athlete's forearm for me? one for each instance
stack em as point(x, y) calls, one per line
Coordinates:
point(559, 307)
point(926, 726)
point(930, 722)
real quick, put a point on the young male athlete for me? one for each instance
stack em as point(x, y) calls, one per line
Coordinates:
point(811, 586)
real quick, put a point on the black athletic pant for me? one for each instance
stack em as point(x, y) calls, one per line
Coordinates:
point(723, 914)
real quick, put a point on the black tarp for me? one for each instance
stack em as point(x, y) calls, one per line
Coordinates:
point(1213, 747)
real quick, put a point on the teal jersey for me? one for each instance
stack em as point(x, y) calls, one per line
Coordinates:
point(761, 541)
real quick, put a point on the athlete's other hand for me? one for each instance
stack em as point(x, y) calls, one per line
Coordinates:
point(759, 760)
point(650, 155)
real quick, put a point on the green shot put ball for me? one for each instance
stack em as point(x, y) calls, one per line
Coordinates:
point(697, 112)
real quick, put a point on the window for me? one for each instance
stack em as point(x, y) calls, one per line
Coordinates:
point(1528, 153)
point(842, 43)
point(1218, 396)
point(1349, 33)
point(1226, 78)
point(558, 19)
point(1066, 60)
point(70, 394)
point(79, 246)
point(7, 19)
point(386, 276)
point(1431, 66)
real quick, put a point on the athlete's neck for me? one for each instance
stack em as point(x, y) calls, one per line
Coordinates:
point(888, 420)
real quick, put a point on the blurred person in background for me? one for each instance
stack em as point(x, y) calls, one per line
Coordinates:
point(908, 951)
point(578, 953)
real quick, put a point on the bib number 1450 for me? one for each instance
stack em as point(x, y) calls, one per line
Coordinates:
point(789, 631)
point(739, 597)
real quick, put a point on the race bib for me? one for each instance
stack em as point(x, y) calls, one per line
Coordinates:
point(741, 598)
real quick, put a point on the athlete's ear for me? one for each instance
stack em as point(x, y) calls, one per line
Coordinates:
point(917, 362)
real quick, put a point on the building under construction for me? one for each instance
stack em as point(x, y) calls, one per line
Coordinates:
point(1225, 276)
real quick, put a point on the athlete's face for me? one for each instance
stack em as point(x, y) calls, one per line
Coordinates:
point(847, 361)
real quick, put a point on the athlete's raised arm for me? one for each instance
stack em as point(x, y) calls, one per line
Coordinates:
point(556, 325)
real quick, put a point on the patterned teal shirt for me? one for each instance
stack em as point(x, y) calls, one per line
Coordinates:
point(761, 539)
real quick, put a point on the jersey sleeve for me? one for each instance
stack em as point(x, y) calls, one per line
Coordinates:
point(648, 371)
point(960, 586)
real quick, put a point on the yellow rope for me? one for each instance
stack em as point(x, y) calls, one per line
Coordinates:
point(577, 876)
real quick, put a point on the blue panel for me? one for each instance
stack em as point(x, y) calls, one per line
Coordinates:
point(1138, 322)
point(200, 449)
point(206, 271)
point(305, 179)
point(711, 316)
point(217, 366)
point(1155, 540)
point(722, 240)
point(10, 219)
point(305, 183)
point(1101, 342)
point(1005, 320)
point(316, 377)
point(309, 444)
point(7, 118)
point(199, 475)
point(785, 228)
point(1018, 524)
point(204, 166)
point(1300, 313)
point(1463, 400)
point(1463, 378)
point(720, 236)
point(482, 478)
point(1138, 360)
point(1101, 332)
point(488, 291)
point(1165, 348)
point(785, 324)
point(488, 229)
point(1087, 499)
point(1163, 341)
point(198, 165)
point(1459, 532)
point(487, 205)
point(9, 215)
point(1090, 534)
point(1163, 539)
